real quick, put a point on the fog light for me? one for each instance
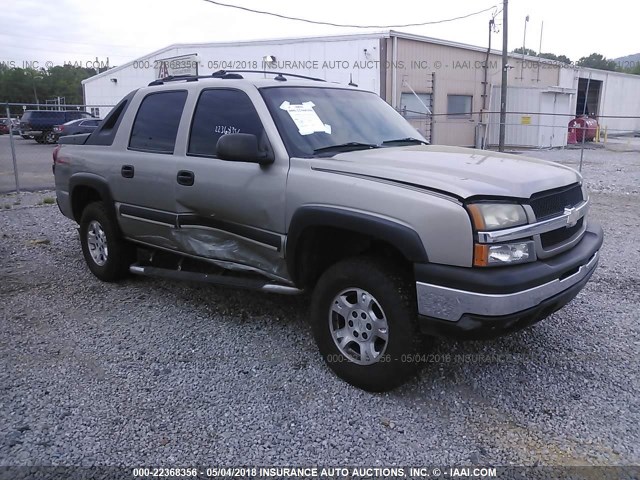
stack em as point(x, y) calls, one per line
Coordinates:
point(503, 254)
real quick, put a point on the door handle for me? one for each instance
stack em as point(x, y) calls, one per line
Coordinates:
point(186, 178)
point(127, 171)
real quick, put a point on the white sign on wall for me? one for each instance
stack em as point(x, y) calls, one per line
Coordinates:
point(174, 66)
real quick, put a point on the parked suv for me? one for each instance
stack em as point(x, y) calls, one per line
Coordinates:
point(293, 186)
point(39, 123)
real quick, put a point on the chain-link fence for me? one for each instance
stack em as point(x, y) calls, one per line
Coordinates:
point(27, 141)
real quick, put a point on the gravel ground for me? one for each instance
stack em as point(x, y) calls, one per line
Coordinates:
point(150, 372)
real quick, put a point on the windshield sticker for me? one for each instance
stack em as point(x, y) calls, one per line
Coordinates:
point(305, 118)
point(224, 129)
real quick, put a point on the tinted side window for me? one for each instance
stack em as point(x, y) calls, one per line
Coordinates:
point(156, 125)
point(219, 112)
point(106, 131)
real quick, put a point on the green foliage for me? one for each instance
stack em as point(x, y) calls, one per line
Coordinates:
point(635, 70)
point(557, 58)
point(526, 51)
point(596, 60)
point(548, 56)
point(23, 85)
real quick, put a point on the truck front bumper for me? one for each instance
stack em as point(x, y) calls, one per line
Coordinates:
point(480, 303)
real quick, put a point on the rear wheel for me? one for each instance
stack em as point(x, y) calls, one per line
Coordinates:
point(108, 256)
point(49, 137)
point(365, 325)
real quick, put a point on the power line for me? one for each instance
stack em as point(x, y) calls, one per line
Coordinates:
point(316, 22)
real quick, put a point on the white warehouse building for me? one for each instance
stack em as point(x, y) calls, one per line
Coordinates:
point(448, 91)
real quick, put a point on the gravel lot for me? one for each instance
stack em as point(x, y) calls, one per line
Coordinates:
point(150, 372)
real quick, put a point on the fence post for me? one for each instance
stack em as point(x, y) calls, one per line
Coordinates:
point(13, 150)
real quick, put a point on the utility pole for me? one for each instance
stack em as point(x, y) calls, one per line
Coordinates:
point(524, 43)
point(486, 69)
point(485, 86)
point(539, 53)
point(505, 66)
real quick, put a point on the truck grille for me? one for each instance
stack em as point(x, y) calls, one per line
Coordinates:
point(553, 202)
point(559, 236)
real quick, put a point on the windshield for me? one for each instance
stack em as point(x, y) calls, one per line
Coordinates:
point(324, 121)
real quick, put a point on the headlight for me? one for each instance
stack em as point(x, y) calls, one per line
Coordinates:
point(495, 216)
point(503, 254)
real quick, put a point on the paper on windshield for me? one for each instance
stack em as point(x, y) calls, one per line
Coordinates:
point(305, 118)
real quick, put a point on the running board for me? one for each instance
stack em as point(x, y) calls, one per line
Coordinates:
point(227, 281)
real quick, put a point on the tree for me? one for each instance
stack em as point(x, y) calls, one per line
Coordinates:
point(526, 51)
point(25, 85)
point(548, 56)
point(596, 60)
point(557, 58)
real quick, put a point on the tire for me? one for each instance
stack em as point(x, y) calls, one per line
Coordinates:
point(39, 138)
point(26, 137)
point(108, 256)
point(387, 308)
point(49, 137)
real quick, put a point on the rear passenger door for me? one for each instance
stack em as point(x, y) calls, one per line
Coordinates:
point(231, 211)
point(144, 178)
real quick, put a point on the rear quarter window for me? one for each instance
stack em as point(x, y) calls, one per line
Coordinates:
point(155, 127)
point(107, 128)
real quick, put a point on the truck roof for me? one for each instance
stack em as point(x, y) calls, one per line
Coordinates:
point(256, 78)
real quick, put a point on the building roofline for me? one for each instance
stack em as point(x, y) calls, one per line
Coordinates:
point(607, 72)
point(465, 46)
point(272, 41)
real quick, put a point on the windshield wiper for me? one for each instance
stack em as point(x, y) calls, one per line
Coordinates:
point(346, 146)
point(405, 140)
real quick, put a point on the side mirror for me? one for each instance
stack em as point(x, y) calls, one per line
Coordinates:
point(242, 147)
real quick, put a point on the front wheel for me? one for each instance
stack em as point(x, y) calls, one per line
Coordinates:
point(364, 322)
point(108, 256)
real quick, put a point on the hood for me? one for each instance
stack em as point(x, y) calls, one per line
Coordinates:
point(463, 172)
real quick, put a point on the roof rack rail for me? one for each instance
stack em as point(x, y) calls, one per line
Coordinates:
point(177, 78)
point(282, 75)
point(230, 74)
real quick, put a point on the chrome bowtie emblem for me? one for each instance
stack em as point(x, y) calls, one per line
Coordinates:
point(573, 215)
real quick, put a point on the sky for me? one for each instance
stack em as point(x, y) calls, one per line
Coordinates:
point(77, 31)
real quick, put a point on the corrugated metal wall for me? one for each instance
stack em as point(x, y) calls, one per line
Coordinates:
point(459, 71)
point(542, 121)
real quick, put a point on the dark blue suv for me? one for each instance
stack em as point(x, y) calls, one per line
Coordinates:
point(39, 123)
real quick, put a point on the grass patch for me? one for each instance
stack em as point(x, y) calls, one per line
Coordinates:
point(48, 201)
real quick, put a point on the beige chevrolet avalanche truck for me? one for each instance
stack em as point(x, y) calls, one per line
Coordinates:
point(284, 184)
